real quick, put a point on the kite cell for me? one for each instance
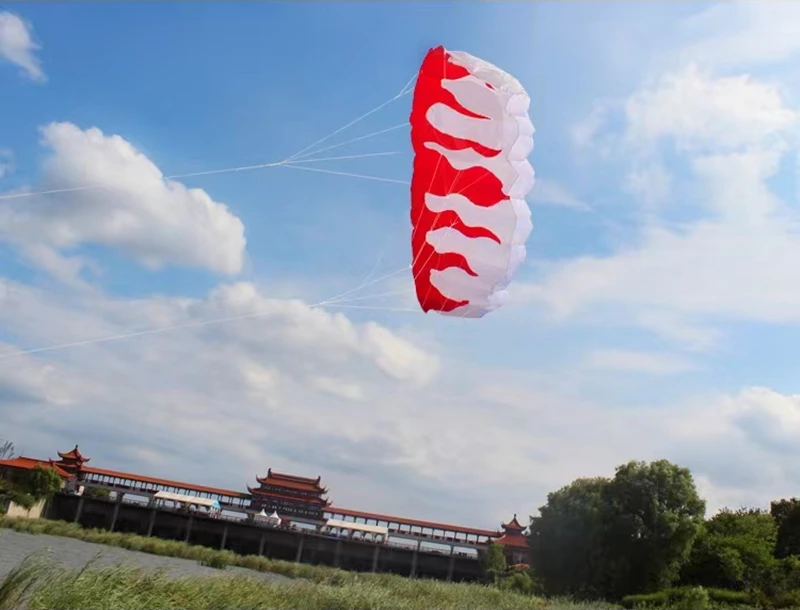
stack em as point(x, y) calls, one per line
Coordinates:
point(471, 137)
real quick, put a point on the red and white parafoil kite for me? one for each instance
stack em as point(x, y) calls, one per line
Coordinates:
point(471, 137)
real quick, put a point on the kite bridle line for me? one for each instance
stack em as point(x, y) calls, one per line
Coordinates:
point(305, 155)
point(293, 160)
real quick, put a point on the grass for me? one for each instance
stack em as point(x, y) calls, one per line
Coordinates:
point(38, 586)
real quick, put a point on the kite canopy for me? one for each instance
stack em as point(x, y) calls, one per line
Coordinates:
point(471, 137)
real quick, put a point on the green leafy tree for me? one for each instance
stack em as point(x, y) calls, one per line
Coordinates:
point(786, 514)
point(566, 539)
point(735, 551)
point(42, 482)
point(39, 483)
point(612, 537)
point(655, 516)
point(494, 561)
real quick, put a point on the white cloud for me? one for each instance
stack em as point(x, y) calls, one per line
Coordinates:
point(653, 363)
point(18, 47)
point(699, 111)
point(650, 184)
point(737, 260)
point(744, 33)
point(310, 391)
point(390, 424)
point(584, 132)
point(552, 193)
point(132, 208)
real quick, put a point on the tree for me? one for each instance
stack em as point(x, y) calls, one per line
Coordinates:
point(786, 514)
point(566, 539)
point(494, 561)
point(656, 514)
point(42, 482)
point(613, 537)
point(734, 551)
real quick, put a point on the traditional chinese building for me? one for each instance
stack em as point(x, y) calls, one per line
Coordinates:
point(515, 543)
point(294, 498)
point(289, 495)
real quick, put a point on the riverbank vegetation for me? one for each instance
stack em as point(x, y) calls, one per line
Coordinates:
point(639, 539)
point(38, 586)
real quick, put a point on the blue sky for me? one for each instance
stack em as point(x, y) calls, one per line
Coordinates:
point(655, 315)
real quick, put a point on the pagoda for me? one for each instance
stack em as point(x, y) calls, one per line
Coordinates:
point(289, 495)
point(72, 461)
point(515, 543)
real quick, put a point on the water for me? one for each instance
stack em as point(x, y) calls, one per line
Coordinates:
point(75, 554)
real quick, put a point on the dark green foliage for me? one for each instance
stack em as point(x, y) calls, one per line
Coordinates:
point(97, 492)
point(27, 488)
point(675, 597)
point(566, 539)
point(787, 516)
point(41, 482)
point(520, 582)
point(606, 538)
point(656, 513)
point(734, 551)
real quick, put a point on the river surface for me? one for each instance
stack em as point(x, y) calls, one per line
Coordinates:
point(75, 554)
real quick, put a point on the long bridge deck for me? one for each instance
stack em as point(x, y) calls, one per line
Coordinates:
point(123, 513)
point(237, 506)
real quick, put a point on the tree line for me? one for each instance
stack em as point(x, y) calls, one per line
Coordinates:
point(644, 530)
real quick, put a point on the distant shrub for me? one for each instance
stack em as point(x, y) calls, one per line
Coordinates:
point(215, 560)
point(695, 598)
point(692, 598)
point(518, 581)
point(725, 597)
point(646, 600)
point(790, 599)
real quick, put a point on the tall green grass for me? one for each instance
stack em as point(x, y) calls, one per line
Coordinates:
point(38, 586)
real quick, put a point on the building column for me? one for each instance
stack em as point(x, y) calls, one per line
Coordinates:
point(79, 510)
point(151, 523)
point(414, 559)
point(114, 516)
point(261, 544)
point(451, 565)
point(188, 528)
point(375, 554)
point(337, 555)
point(299, 555)
point(224, 537)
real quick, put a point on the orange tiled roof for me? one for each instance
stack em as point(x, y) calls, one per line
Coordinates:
point(26, 463)
point(74, 454)
point(318, 501)
point(166, 482)
point(271, 479)
point(293, 477)
point(412, 522)
point(513, 525)
point(517, 541)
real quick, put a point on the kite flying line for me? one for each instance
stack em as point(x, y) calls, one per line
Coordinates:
point(305, 155)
